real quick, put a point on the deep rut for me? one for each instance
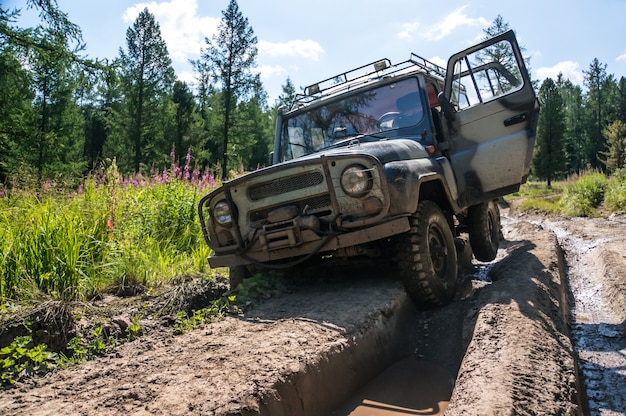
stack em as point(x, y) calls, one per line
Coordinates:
point(595, 253)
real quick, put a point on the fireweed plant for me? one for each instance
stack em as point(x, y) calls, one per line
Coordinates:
point(113, 233)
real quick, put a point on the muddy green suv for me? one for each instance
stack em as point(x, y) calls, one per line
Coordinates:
point(386, 163)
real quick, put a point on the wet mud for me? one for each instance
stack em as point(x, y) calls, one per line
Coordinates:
point(358, 346)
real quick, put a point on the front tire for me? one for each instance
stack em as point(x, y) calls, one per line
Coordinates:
point(483, 222)
point(427, 257)
point(236, 275)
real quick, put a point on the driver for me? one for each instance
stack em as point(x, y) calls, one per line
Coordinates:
point(410, 108)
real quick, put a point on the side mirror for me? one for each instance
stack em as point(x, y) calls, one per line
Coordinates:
point(446, 107)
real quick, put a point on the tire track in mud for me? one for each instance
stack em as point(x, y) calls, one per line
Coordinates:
point(595, 253)
point(502, 347)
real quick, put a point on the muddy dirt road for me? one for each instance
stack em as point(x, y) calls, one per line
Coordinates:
point(596, 259)
point(355, 345)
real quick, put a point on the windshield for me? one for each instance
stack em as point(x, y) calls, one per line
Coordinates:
point(390, 107)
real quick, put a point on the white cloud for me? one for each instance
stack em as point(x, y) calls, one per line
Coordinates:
point(439, 61)
point(187, 76)
point(294, 48)
point(570, 70)
point(270, 71)
point(408, 29)
point(181, 28)
point(621, 58)
point(448, 24)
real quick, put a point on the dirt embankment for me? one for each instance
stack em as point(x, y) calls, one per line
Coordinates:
point(503, 347)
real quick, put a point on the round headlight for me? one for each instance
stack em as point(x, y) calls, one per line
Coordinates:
point(356, 180)
point(222, 214)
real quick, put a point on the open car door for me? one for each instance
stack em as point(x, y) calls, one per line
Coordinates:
point(492, 114)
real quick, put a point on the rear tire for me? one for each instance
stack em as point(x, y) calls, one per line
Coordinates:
point(427, 257)
point(483, 222)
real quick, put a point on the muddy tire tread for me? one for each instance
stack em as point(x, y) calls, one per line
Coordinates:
point(414, 265)
point(484, 232)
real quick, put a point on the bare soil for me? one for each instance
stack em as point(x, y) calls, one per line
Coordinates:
point(596, 269)
point(550, 307)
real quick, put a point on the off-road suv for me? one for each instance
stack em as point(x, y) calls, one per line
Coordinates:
point(386, 162)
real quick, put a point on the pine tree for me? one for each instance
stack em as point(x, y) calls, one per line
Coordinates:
point(211, 113)
point(41, 133)
point(104, 100)
point(621, 88)
point(228, 60)
point(596, 112)
point(185, 112)
point(497, 27)
point(147, 77)
point(253, 133)
point(548, 160)
point(56, 149)
point(572, 96)
point(287, 96)
point(16, 112)
point(615, 157)
point(501, 52)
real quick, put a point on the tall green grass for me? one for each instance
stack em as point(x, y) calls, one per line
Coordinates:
point(583, 196)
point(112, 234)
point(615, 194)
point(536, 196)
point(587, 195)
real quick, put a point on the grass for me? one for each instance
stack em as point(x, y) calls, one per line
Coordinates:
point(60, 249)
point(583, 197)
point(590, 194)
point(536, 196)
point(114, 234)
point(615, 194)
point(128, 235)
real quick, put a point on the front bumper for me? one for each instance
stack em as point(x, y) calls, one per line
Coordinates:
point(311, 243)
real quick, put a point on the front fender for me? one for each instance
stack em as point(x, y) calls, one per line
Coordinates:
point(407, 177)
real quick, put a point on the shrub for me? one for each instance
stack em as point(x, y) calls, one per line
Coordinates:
point(615, 195)
point(582, 197)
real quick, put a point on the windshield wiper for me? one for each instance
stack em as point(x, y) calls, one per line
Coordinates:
point(298, 144)
point(356, 139)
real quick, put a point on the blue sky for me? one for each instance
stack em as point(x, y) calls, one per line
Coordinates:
point(313, 40)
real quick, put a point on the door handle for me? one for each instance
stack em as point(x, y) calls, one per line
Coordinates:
point(520, 118)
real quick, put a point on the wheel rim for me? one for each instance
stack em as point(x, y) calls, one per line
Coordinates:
point(438, 252)
point(491, 225)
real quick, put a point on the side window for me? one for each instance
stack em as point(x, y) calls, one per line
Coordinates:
point(432, 95)
point(485, 75)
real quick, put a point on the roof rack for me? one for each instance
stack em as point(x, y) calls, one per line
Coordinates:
point(346, 77)
point(428, 66)
point(349, 79)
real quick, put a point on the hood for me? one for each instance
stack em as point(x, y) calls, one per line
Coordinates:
point(383, 150)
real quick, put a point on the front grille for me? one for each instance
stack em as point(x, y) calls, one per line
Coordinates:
point(320, 205)
point(284, 185)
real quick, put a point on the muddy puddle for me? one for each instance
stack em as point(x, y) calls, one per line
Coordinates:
point(411, 386)
point(422, 383)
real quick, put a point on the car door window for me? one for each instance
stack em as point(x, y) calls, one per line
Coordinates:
point(485, 74)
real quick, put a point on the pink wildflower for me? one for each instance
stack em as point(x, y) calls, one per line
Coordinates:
point(195, 175)
point(176, 172)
